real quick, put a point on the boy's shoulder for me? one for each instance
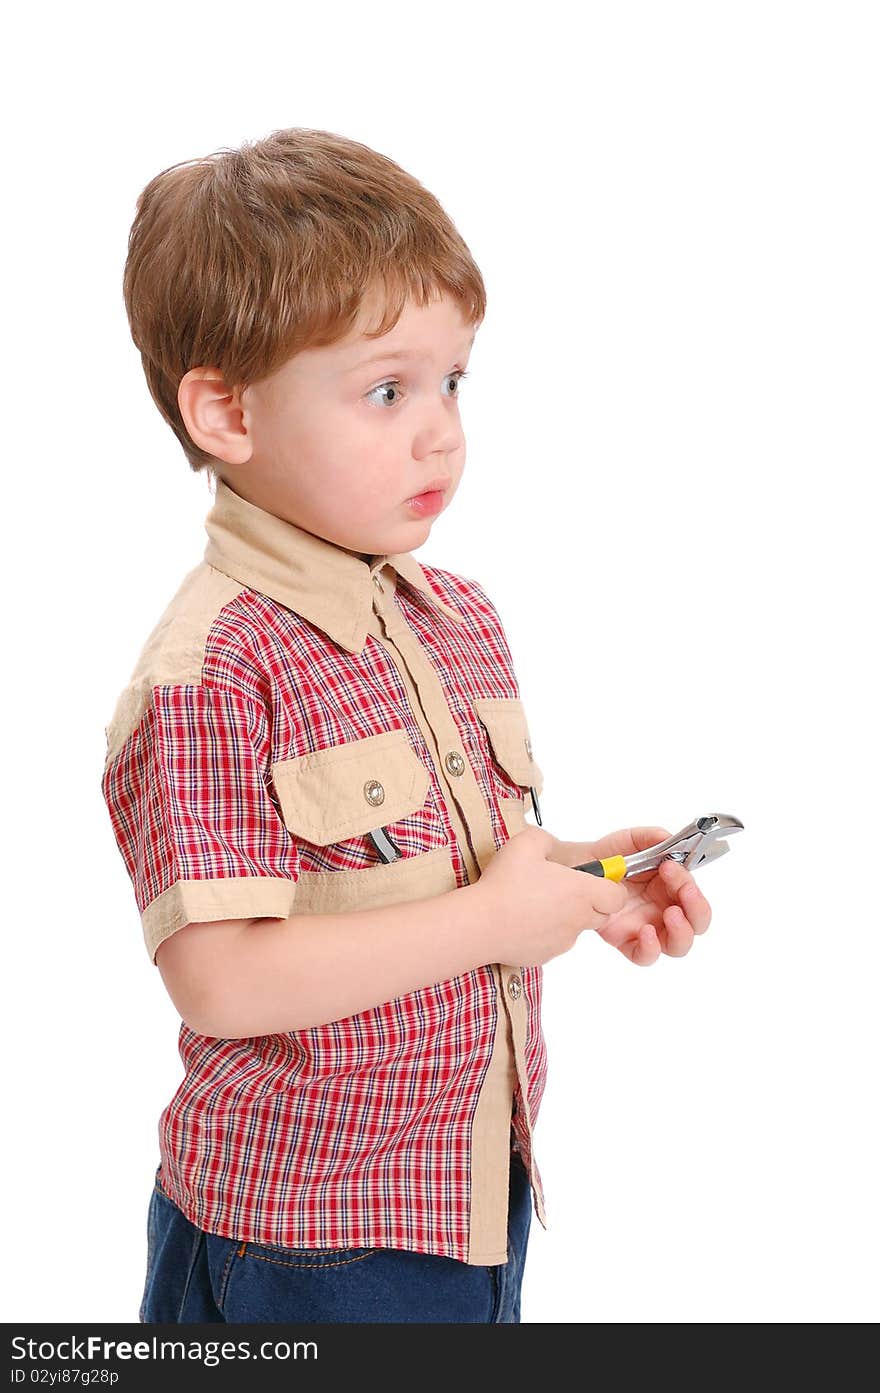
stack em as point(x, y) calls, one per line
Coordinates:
point(462, 592)
point(201, 619)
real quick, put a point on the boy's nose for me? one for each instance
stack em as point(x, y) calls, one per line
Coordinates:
point(440, 434)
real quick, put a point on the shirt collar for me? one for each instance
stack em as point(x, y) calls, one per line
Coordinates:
point(328, 585)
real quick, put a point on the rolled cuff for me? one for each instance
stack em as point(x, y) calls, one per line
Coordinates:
point(201, 901)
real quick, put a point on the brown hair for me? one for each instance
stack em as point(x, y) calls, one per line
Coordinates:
point(238, 260)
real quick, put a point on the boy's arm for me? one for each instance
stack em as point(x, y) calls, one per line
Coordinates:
point(243, 977)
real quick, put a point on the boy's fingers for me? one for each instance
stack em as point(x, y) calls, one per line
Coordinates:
point(679, 934)
point(606, 896)
point(646, 949)
point(693, 902)
point(643, 837)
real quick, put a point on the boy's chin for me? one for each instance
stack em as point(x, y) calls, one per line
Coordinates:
point(401, 537)
point(418, 530)
point(413, 533)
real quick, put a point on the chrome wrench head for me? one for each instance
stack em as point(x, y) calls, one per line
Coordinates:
point(695, 845)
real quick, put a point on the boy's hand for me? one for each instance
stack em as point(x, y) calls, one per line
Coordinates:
point(664, 909)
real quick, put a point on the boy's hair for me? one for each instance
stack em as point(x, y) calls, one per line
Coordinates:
point(239, 260)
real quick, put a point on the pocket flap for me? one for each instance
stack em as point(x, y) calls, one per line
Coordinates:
point(505, 720)
point(324, 795)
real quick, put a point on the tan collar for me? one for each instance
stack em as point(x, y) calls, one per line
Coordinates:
point(326, 584)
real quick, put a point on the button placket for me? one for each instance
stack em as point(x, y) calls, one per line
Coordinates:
point(462, 788)
point(517, 1009)
point(466, 794)
point(382, 630)
point(466, 797)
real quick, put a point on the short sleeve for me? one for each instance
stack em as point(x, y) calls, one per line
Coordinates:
point(187, 795)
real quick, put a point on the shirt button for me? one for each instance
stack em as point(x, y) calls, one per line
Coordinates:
point(374, 792)
point(455, 763)
point(514, 988)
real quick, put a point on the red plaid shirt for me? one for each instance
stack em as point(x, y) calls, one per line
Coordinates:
point(292, 698)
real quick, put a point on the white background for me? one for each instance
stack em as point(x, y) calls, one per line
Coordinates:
point(671, 496)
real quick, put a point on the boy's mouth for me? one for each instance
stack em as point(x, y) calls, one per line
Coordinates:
point(430, 501)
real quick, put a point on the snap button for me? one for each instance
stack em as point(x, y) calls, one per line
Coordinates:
point(374, 792)
point(528, 747)
point(455, 763)
point(514, 988)
point(377, 582)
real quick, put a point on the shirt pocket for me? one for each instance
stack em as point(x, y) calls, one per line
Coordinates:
point(508, 751)
point(332, 799)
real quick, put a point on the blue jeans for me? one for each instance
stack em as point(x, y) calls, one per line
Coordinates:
point(194, 1276)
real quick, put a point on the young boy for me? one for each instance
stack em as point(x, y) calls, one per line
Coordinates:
point(317, 774)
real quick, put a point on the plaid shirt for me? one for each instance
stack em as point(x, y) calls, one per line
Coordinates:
point(292, 698)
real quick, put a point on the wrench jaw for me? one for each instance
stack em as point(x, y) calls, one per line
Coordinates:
point(674, 848)
point(704, 852)
point(700, 843)
point(695, 845)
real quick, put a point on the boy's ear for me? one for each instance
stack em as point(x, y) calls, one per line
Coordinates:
point(214, 416)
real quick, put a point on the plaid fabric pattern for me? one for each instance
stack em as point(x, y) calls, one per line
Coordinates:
point(359, 1131)
point(188, 797)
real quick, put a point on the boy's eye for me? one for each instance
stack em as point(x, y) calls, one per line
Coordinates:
point(392, 386)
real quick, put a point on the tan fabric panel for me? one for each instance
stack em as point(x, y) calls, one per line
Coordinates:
point(490, 1149)
point(204, 901)
point(175, 649)
point(409, 878)
point(324, 794)
point(518, 1012)
point(505, 720)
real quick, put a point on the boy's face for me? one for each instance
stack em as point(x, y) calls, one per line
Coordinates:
point(341, 446)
